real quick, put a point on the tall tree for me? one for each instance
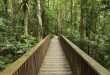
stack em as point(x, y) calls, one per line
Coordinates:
point(44, 18)
point(71, 14)
point(26, 14)
point(81, 28)
point(40, 31)
point(48, 3)
point(57, 17)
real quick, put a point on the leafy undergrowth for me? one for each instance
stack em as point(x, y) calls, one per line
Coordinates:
point(12, 50)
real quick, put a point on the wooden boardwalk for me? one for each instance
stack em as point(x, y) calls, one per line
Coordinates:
point(55, 62)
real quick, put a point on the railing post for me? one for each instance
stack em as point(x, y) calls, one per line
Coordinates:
point(78, 65)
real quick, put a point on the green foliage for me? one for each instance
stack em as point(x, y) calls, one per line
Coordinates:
point(13, 49)
point(5, 61)
point(17, 47)
point(2, 65)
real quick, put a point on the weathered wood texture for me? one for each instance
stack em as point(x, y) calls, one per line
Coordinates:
point(55, 62)
point(80, 62)
point(29, 63)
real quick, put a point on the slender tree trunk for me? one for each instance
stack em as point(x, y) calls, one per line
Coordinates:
point(81, 28)
point(26, 23)
point(61, 17)
point(75, 17)
point(48, 3)
point(57, 18)
point(81, 25)
point(25, 14)
point(35, 26)
point(40, 31)
point(44, 24)
point(53, 6)
point(71, 15)
point(71, 12)
point(13, 7)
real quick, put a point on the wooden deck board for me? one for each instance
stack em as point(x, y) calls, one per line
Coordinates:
point(55, 62)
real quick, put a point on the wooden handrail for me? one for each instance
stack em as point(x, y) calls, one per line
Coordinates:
point(30, 62)
point(80, 62)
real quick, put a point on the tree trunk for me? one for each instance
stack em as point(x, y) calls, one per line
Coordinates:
point(14, 7)
point(81, 28)
point(53, 6)
point(40, 31)
point(48, 3)
point(44, 24)
point(71, 12)
point(71, 16)
point(81, 25)
point(57, 18)
point(26, 23)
